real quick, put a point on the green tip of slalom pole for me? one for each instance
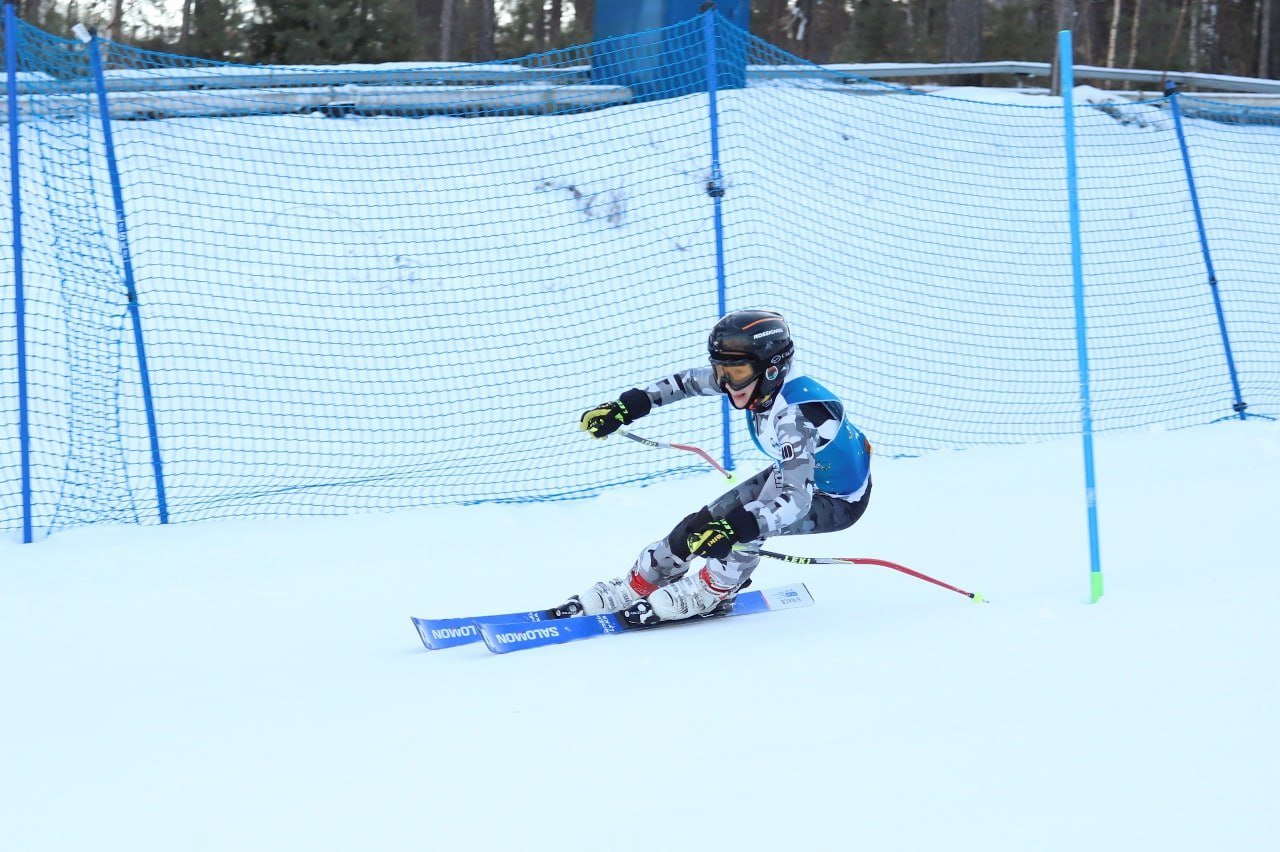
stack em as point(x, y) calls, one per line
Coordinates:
point(1095, 586)
point(978, 598)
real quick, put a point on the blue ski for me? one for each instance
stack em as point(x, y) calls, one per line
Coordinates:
point(439, 633)
point(502, 638)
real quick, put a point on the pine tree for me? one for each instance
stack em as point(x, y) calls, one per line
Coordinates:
point(212, 29)
point(299, 32)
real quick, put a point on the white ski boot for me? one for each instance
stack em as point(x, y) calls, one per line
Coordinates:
point(615, 595)
point(696, 593)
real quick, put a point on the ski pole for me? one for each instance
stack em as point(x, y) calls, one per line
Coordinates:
point(662, 445)
point(859, 560)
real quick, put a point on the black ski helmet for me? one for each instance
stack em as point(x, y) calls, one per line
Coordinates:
point(749, 345)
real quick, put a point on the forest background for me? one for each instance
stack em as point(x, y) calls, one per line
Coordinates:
point(1235, 37)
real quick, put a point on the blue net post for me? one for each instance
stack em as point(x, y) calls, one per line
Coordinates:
point(126, 262)
point(715, 188)
point(1238, 405)
point(19, 300)
point(1067, 71)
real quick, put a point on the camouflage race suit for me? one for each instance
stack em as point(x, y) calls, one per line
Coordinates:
point(820, 480)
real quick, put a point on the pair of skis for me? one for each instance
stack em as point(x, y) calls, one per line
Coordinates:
point(518, 631)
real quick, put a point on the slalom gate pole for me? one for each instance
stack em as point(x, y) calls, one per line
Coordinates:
point(1066, 72)
point(860, 560)
point(662, 445)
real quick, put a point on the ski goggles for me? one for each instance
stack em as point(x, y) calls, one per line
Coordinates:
point(735, 375)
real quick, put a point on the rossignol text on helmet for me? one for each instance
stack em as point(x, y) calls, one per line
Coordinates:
point(748, 345)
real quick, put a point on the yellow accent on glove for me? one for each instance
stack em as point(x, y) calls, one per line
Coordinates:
point(714, 541)
point(603, 420)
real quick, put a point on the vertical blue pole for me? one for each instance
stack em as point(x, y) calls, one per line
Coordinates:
point(126, 260)
point(715, 188)
point(19, 297)
point(1067, 81)
point(1171, 89)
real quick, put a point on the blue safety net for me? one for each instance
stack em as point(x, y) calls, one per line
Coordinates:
point(371, 287)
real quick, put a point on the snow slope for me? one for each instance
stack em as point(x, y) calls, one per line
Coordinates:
point(257, 684)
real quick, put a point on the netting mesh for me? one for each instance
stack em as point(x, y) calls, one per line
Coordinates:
point(371, 288)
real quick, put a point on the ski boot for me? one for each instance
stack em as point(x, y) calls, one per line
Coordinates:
point(610, 596)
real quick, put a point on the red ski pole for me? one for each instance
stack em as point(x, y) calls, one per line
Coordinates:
point(859, 560)
point(649, 442)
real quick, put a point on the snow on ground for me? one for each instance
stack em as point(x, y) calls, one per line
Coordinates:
point(257, 684)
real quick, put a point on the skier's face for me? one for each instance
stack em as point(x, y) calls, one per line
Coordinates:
point(740, 398)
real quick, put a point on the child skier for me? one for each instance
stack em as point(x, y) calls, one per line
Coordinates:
point(820, 480)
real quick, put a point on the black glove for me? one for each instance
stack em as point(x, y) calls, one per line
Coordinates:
point(604, 419)
point(716, 539)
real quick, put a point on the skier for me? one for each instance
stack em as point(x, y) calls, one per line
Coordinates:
point(820, 480)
